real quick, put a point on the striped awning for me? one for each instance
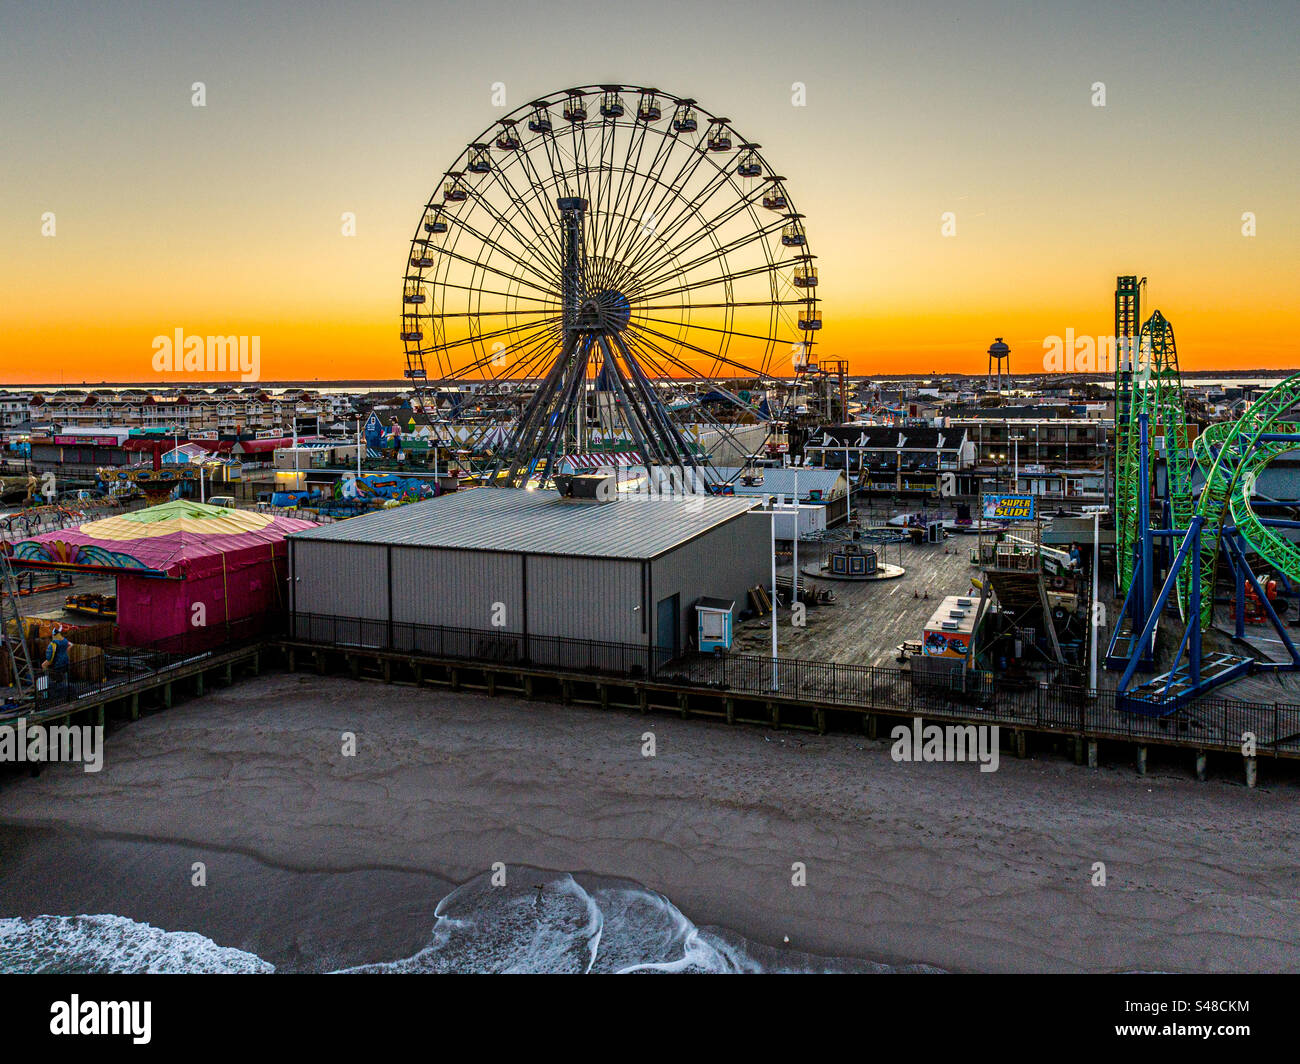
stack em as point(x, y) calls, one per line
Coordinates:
point(600, 460)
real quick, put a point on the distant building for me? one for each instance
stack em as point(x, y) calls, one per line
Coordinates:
point(903, 459)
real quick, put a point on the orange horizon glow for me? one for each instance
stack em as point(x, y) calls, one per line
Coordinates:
point(225, 219)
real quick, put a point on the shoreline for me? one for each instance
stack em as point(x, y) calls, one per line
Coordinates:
point(933, 864)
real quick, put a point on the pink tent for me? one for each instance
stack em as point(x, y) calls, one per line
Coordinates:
point(183, 568)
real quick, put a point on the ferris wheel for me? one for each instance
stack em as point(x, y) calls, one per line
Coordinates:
point(606, 267)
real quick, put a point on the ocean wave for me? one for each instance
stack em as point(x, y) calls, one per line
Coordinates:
point(537, 922)
point(541, 922)
point(107, 944)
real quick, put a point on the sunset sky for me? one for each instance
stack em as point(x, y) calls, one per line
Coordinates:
point(226, 219)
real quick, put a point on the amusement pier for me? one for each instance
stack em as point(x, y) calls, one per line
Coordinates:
point(619, 470)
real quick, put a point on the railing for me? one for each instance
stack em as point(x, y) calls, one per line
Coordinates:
point(124, 666)
point(1066, 705)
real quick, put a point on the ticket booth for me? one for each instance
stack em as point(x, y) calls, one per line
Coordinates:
point(713, 617)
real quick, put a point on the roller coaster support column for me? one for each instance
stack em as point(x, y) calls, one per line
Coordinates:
point(1190, 540)
point(1238, 558)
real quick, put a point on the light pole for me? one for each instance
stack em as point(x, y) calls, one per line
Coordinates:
point(794, 579)
point(848, 493)
point(771, 503)
point(1015, 445)
point(1096, 565)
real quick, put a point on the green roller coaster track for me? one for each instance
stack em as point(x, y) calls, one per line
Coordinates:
point(1156, 389)
point(1232, 456)
point(1229, 455)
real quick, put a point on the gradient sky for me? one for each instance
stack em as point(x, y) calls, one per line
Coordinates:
point(225, 219)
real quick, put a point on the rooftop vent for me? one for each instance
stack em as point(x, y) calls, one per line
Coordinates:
point(586, 487)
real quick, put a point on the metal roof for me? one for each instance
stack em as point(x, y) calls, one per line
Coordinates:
point(539, 522)
point(780, 480)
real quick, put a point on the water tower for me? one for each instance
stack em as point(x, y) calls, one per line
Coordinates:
point(998, 354)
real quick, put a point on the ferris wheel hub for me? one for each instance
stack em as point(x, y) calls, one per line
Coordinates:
point(607, 311)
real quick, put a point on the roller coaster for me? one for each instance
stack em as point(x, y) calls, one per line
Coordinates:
point(1173, 532)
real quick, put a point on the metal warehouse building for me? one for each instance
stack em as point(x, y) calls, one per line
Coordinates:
point(507, 571)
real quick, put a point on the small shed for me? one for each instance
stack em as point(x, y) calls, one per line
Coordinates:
point(714, 618)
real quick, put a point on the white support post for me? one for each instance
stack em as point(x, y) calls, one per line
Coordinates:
point(1096, 566)
point(794, 578)
point(772, 507)
point(848, 497)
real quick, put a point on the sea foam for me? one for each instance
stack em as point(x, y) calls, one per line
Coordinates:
point(538, 922)
point(93, 945)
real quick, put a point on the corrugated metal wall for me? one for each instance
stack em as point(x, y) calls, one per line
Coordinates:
point(585, 598)
point(580, 598)
point(340, 579)
point(724, 563)
point(457, 588)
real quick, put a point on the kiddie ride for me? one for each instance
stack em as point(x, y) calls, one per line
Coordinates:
point(1170, 538)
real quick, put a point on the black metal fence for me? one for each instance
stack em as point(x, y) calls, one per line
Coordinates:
point(123, 666)
point(959, 694)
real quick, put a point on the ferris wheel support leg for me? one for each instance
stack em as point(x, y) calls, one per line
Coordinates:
point(523, 447)
point(631, 414)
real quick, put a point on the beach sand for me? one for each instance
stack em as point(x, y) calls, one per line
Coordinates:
point(315, 860)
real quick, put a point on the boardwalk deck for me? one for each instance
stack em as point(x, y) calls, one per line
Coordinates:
point(868, 619)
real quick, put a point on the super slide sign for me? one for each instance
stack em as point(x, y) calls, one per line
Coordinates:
point(1008, 507)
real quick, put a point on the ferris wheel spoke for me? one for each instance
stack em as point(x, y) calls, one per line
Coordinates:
point(620, 206)
point(719, 252)
point(703, 414)
point(705, 328)
point(644, 332)
point(489, 314)
point(666, 228)
point(646, 234)
point(488, 243)
point(659, 191)
point(602, 205)
point(473, 337)
point(542, 245)
point(476, 264)
point(491, 292)
point(715, 279)
point(651, 180)
point(722, 178)
point(545, 236)
point(642, 307)
point(668, 251)
point(502, 226)
point(672, 244)
point(535, 347)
